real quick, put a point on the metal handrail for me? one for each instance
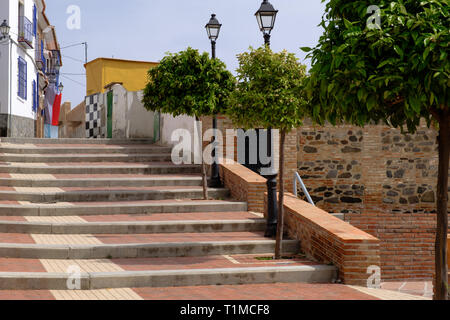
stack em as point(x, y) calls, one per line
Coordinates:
point(305, 191)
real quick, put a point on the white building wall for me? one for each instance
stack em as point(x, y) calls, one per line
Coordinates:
point(19, 106)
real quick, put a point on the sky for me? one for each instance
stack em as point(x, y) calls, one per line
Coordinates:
point(147, 29)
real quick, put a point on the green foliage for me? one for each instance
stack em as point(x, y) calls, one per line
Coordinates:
point(188, 83)
point(397, 74)
point(269, 91)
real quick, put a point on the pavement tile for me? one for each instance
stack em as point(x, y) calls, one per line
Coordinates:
point(16, 238)
point(103, 294)
point(215, 262)
point(389, 294)
point(180, 237)
point(93, 265)
point(21, 265)
point(201, 216)
point(13, 219)
point(26, 295)
point(290, 291)
point(62, 239)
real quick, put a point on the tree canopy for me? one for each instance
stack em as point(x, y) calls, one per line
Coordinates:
point(398, 73)
point(270, 94)
point(188, 83)
point(388, 62)
point(269, 90)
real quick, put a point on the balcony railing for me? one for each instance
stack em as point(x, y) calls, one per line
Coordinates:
point(39, 55)
point(53, 74)
point(26, 32)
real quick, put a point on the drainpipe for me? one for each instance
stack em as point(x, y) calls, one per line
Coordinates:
point(8, 133)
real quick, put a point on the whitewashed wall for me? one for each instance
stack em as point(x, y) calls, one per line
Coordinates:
point(19, 107)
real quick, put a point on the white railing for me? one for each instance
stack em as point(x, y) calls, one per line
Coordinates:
point(297, 178)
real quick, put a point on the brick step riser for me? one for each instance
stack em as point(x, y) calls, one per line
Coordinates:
point(130, 228)
point(113, 209)
point(100, 196)
point(77, 141)
point(100, 170)
point(180, 278)
point(78, 158)
point(154, 250)
point(100, 183)
point(63, 151)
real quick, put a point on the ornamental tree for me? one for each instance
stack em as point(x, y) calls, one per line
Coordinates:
point(270, 94)
point(189, 83)
point(388, 64)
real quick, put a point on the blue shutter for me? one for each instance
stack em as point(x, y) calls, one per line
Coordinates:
point(22, 77)
point(20, 87)
point(34, 20)
point(34, 96)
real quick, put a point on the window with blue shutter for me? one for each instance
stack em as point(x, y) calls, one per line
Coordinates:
point(34, 96)
point(34, 20)
point(22, 85)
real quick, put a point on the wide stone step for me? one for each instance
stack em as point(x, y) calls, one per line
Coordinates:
point(120, 208)
point(82, 149)
point(101, 181)
point(86, 158)
point(76, 141)
point(139, 227)
point(143, 250)
point(171, 278)
point(158, 193)
point(94, 168)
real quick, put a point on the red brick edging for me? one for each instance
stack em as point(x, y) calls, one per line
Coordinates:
point(323, 237)
point(244, 184)
point(328, 239)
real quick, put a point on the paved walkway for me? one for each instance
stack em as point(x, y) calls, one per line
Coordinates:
point(417, 288)
point(294, 291)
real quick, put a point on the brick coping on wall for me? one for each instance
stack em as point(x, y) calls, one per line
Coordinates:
point(244, 184)
point(328, 239)
point(323, 237)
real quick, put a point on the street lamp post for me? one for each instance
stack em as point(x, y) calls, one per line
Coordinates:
point(266, 17)
point(4, 30)
point(213, 30)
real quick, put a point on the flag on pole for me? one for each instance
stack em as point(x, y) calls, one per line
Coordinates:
point(56, 109)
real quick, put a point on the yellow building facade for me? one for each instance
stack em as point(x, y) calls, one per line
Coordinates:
point(104, 71)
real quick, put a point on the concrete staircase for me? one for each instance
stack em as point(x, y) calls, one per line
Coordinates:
point(123, 216)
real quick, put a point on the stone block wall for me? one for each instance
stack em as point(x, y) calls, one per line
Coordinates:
point(384, 182)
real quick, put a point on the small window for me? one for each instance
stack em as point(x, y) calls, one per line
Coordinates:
point(22, 86)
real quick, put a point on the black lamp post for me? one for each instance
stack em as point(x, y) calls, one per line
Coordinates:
point(213, 30)
point(4, 30)
point(60, 87)
point(266, 16)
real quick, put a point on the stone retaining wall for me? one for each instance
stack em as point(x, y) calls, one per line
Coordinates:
point(384, 182)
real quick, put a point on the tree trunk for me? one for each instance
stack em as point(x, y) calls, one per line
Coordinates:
point(280, 227)
point(441, 285)
point(204, 178)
